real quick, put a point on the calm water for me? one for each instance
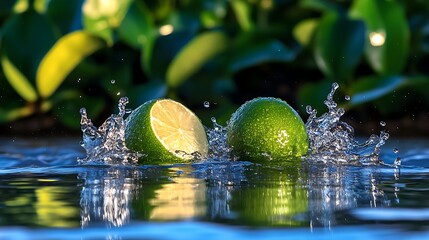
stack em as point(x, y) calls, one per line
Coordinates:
point(46, 194)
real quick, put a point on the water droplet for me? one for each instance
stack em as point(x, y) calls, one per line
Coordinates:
point(213, 119)
point(78, 80)
point(206, 104)
point(113, 81)
point(347, 97)
point(397, 162)
point(382, 123)
point(119, 93)
point(332, 140)
point(395, 150)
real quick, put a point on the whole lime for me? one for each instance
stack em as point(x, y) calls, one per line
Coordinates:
point(166, 132)
point(267, 129)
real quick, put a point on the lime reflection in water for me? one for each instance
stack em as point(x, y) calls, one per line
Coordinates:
point(115, 195)
point(231, 193)
point(178, 197)
point(270, 197)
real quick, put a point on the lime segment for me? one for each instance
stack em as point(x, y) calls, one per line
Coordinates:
point(178, 129)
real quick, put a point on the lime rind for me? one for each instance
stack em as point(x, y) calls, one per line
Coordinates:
point(267, 129)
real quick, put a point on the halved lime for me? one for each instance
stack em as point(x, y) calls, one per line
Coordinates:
point(166, 132)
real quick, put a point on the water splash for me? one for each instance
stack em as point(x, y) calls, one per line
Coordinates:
point(218, 147)
point(332, 140)
point(107, 143)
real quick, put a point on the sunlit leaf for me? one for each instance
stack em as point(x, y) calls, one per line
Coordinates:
point(11, 114)
point(339, 45)
point(40, 5)
point(321, 5)
point(194, 55)
point(304, 30)
point(242, 10)
point(387, 36)
point(102, 16)
point(21, 6)
point(17, 80)
point(255, 53)
point(68, 52)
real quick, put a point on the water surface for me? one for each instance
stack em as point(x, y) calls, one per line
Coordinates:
point(46, 194)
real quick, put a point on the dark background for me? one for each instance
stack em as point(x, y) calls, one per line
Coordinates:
point(59, 55)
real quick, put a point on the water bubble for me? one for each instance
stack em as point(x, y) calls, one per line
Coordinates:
point(382, 123)
point(347, 97)
point(206, 104)
point(113, 81)
point(395, 150)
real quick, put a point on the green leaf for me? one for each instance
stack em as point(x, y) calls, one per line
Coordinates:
point(387, 41)
point(27, 37)
point(242, 10)
point(63, 57)
point(339, 45)
point(17, 80)
point(321, 5)
point(194, 55)
point(304, 31)
point(254, 53)
point(137, 28)
point(8, 115)
point(374, 87)
point(163, 50)
point(101, 17)
point(213, 13)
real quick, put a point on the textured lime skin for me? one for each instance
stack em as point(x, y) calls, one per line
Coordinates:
point(140, 137)
point(267, 129)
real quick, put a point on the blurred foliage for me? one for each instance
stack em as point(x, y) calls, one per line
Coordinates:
point(58, 55)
